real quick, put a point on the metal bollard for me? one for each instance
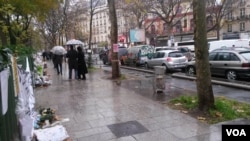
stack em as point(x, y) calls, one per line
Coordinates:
point(159, 79)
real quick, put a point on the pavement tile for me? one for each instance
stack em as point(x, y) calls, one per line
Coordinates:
point(98, 137)
point(76, 127)
point(128, 138)
point(186, 130)
point(87, 117)
point(90, 132)
point(214, 136)
point(157, 135)
point(164, 124)
point(104, 122)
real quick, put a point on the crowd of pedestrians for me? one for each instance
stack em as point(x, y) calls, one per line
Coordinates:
point(76, 63)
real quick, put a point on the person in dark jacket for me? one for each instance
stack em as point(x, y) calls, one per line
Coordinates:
point(58, 63)
point(72, 61)
point(82, 68)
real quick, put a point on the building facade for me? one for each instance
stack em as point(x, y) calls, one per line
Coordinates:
point(237, 22)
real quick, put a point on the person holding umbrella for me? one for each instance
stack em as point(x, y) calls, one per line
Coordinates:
point(58, 52)
point(72, 61)
point(58, 63)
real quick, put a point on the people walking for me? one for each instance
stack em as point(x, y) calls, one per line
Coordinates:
point(81, 63)
point(58, 63)
point(72, 61)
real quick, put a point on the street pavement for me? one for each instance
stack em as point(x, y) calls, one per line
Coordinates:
point(100, 109)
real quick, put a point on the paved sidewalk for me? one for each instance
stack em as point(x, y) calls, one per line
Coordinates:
point(99, 109)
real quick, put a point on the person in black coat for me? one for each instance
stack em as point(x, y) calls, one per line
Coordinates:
point(72, 61)
point(82, 68)
point(58, 63)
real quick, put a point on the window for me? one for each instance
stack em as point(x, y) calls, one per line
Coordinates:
point(233, 57)
point(242, 26)
point(209, 21)
point(212, 56)
point(185, 23)
point(175, 54)
point(230, 16)
point(191, 24)
point(178, 27)
point(178, 9)
point(223, 56)
point(229, 28)
point(165, 28)
point(153, 29)
point(242, 12)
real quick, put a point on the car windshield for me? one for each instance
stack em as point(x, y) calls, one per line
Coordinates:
point(175, 54)
point(246, 55)
point(184, 49)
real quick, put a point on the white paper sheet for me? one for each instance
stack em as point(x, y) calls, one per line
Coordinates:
point(27, 126)
point(4, 76)
point(55, 133)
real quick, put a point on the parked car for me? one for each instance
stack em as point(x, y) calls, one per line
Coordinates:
point(184, 50)
point(122, 54)
point(122, 51)
point(230, 63)
point(171, 59)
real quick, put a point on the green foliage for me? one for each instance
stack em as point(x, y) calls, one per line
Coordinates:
point(224, 110)
point(16, 17)
point(229, 110)
point(4, 58)
point(189, 102)
point(20, 50)
point(39, 69)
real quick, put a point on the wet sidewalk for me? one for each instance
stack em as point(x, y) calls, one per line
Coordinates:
point(99, 109)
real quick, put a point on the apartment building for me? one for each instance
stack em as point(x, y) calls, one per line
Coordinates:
point(237, 22)
point(101, 26)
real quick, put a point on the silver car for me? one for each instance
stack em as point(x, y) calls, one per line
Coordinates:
point(171, 59)
point(232, 64)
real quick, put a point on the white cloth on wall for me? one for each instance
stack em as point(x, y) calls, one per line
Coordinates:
point(4, 77)
point(26, 101)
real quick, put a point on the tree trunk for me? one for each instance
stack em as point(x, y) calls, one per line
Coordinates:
point(203, 82)
point(114, 38)
point(90, 33)
point(218, 32)
point(3, 38)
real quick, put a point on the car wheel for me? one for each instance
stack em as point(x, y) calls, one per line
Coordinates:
point(190, 71)
point(231, 75)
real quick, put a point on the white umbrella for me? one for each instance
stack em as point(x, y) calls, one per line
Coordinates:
point(58, 50)
point(74, 42)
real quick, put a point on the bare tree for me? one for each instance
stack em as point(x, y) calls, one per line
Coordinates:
point(114, 38)
point(92, 11)
point(52, 25)
point(170, 11)
point(217, 11)
point(135, 10)
point(203, 74)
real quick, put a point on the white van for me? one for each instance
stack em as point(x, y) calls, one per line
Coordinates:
point(138, 54)
point(228, 43)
